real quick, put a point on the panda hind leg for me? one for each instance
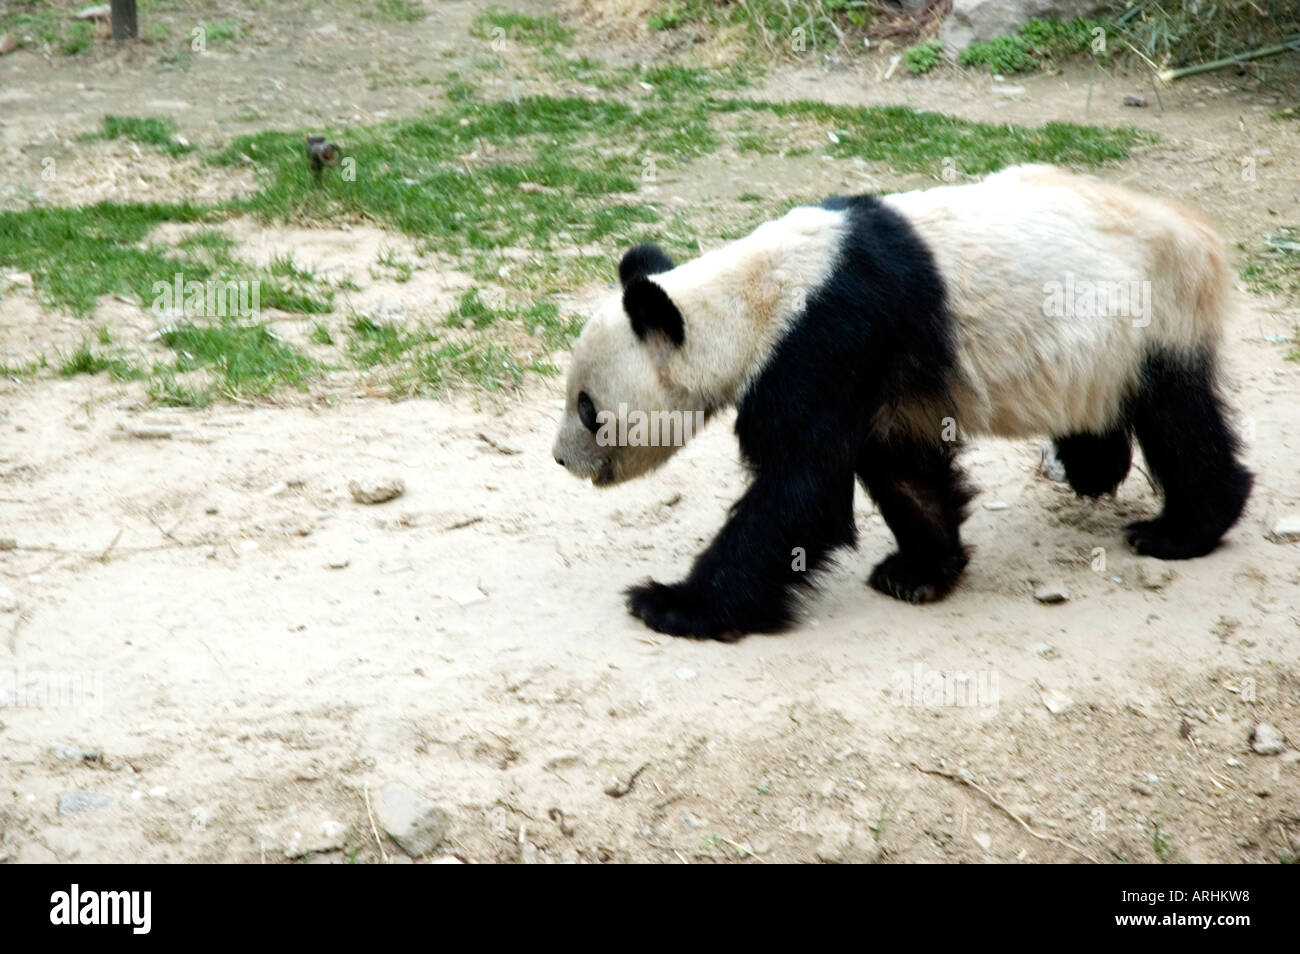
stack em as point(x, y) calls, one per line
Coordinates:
point(1179, 419)
point(1095, 464)
point(922, 495)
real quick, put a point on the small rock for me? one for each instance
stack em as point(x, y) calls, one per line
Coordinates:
point(338, 562)
point(72, 753)
point(1051, 593)
point(1142, 788)
point(8, 602)
point(415, 823)
point(7, 44)
point(376, 491)
point(1056, 702)
point(315, 836)
point(1152, 575)
point(1267, 740)
point(1136, 100)
point(99, 11)
point(75, 802)
point(1041, 649)
point(1008, 90)
point(983, 839)
point(201, 818)
point(995, 505)
point(467, 596)
point(1286, 530)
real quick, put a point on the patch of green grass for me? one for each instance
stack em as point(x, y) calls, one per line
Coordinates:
point(395, 11)
point(543, 31)
point(23, 369)
point(245, 359)
point(84, 360)
point(1038, 44)
point(320, 335)
point(1274, 264)
point(787, 28)
point(166, 389)
point(221, 31)
point(371, 342)
point(79, 37)
point(1164, 849)
point(156, 131)
point(920, 141)
point(399, 268)
point(76, 255)
point(33, 23)
point(923, 57)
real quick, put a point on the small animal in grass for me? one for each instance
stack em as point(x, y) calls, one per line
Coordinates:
point(861, 338)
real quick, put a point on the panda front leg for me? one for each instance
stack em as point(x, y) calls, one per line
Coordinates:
point(779, 533)
point(922, 495)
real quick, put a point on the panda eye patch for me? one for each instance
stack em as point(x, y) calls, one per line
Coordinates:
point(587, 412)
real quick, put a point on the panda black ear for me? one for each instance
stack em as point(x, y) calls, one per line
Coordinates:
point(643, 260)
point(650, 309)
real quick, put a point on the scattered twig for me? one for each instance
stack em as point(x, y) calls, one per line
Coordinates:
point(166, 533)
point(462, 524)
point(1290, 43)
point(619, 789)
point(1009, 813)
point(497, 446)
point(365, 789)
point(103, 557)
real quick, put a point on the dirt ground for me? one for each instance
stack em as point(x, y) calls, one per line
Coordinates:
point(256, 656)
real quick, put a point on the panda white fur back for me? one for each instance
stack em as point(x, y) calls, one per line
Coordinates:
point(998, 243)
point(851, 335)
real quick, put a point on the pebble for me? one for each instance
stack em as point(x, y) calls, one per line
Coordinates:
point(72, 753)
point(8, 602)
point(1051, 593)
point(376, 491)
point(1041, 649)
point(995, 505)
point(1267, 740)
point(1056, 702)
point(1286, 530)
point(415, 823)
point(338, 562)
point(75, 802)
point(1152, 575)
point(467, 596)
point(1135, 99)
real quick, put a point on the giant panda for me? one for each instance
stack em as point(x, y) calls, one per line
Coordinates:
point(862, 337)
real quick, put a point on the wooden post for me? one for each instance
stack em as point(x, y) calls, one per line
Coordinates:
point(124, 20)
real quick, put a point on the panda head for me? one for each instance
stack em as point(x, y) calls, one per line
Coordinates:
point(621, 375)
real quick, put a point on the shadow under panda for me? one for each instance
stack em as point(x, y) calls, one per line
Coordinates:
point(858, 337)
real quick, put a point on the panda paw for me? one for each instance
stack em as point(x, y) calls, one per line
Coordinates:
point(1165, 540)
point(906, 579)
point(675, 610)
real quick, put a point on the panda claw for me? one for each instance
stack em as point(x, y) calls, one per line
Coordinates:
point(673, 610)
point(1156, 538)
point(904, 579)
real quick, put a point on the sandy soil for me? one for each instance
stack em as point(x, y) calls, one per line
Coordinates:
point(258, 655)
